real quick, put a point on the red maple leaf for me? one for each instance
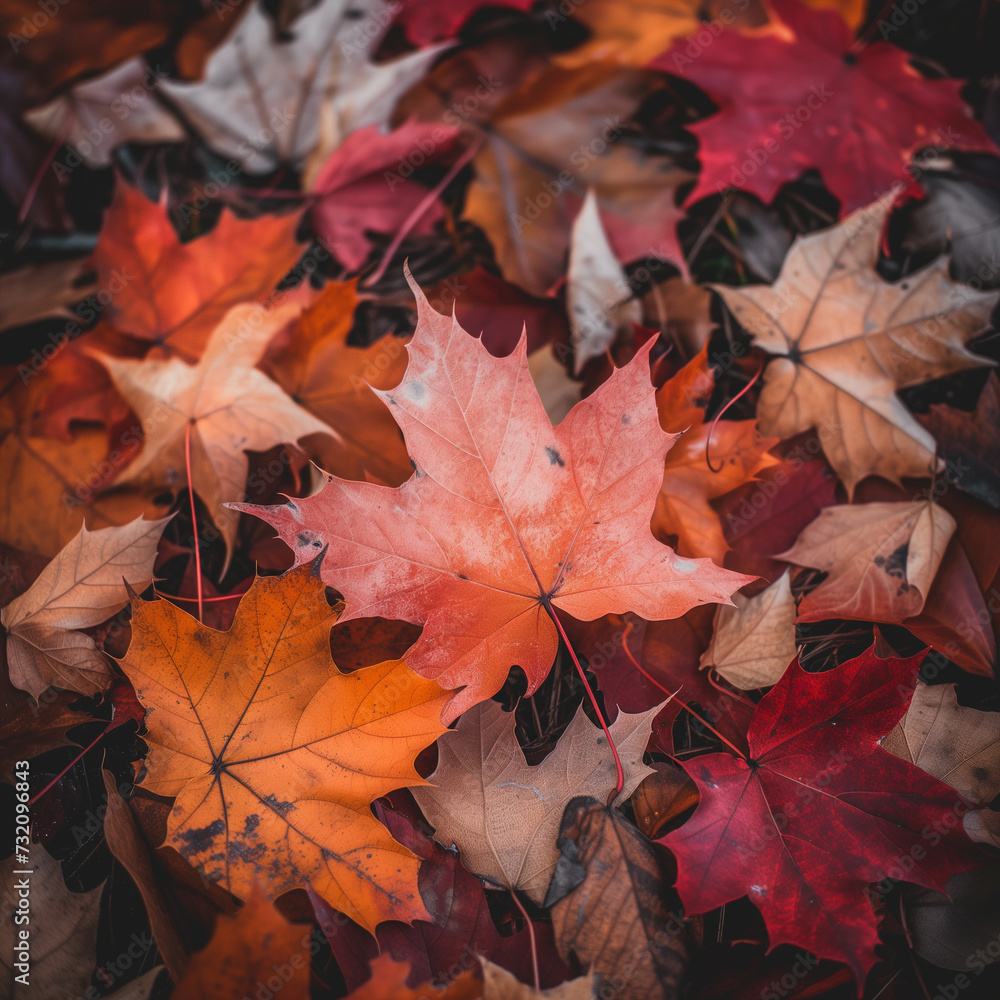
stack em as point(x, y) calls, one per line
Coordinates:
point(801, 98)
point(818, 810)
point(506, 518)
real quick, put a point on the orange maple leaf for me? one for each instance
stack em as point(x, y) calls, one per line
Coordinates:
point(505, 518)
point(174, 294)
point(274, 756)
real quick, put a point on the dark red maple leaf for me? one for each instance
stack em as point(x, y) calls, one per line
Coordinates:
point(463, 926)
point(805, 98)
point(818, 810)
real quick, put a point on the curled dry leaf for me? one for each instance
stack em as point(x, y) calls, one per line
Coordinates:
point(880, 559)
point(607, 898)
point(502, 814)
point(222, 405)
point(499, 984)
point(846, 340)
point(959, 745)
point(313, 362)
point(246, 951)
point(260, 740)
point(598, 296)
point(126, 844)
point(83, 586)
point(754, 642)
point(663, 796)
point(505, 518)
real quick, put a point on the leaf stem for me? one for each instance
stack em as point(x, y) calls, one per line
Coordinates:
point(90, 746)
point(194, 521)
point(593, 701)
point(719, 416)
point(531, 938)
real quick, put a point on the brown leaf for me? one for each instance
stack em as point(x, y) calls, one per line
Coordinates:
point(256, 945)
point(663, 796)
point(83, 586)
point(126, 844)
point(223, 405)
point(608, 909)
point(40, 290)
point(959, 745)
point(501, 813)
point(881, 559)
point(846, 340)
point(29, 728)
point(754, 641)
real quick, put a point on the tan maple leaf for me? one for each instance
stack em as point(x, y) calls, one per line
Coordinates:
point(881, 559)
point(83, 586)
point(502, 813)
point(959, 745)
point(846, 340)
point(223, 406)
point(754, 642)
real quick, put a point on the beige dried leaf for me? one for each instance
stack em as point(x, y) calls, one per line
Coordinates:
point(754, 642)
point(881, 559)
point(557, 391)
point(846, 340)
point(502, 813)
point(229, 405)
point(959, 745)
point(598, 297)
point(83, 586)
point(499, 984)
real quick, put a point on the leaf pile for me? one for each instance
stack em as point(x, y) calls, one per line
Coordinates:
point(503, 499)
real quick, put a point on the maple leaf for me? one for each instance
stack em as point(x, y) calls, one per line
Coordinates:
point(608, 908)
point(218, 409)
point(333, 380)
point(690, 480)
point(273, 755)
point(83, 586)
point(959, 745)
point(563, 125)
point(880, 559)
point(846, 341)
point(40, 290)
point(256, 945)
point(175, 294)
point(806, 97)
point(499, 984)
point(817, 810)
point(502, 814)
point(505, 519)
point(663, 796)
point(754, 641)
point(426, 21)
